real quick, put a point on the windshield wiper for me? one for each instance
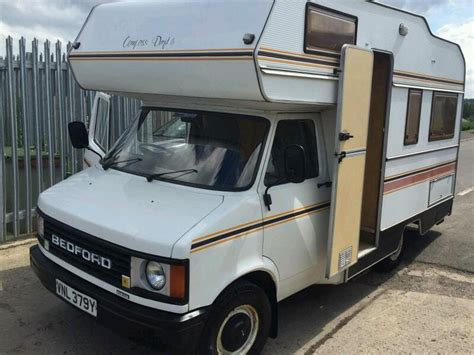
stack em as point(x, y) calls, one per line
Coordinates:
point(130, 161)
point(150, 178)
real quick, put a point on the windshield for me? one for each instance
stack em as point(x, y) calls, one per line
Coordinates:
point(206, 149)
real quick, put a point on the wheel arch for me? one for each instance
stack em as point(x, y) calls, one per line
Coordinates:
point(267, 280)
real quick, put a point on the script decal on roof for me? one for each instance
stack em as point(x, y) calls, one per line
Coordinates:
point(158, 41)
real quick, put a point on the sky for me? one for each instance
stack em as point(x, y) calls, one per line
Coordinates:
point(62, 19)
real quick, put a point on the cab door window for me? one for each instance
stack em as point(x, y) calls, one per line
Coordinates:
point(288, 132)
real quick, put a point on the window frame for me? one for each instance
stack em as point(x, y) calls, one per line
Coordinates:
point(407, 115)
point(143, 112)
point(323, 9)
point(452, 94)
point(109, 133)
point(319, 157)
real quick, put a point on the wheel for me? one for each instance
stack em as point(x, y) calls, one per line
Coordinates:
point(391, 262)
point(239, 323)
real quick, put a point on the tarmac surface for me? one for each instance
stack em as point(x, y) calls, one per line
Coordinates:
point(425, 306)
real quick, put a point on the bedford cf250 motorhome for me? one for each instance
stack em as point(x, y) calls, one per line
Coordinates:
point(280, 144)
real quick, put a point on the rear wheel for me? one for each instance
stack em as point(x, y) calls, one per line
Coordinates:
point(391, 262)
point(240, 321)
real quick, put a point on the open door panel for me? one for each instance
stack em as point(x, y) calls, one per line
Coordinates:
point(349, 160)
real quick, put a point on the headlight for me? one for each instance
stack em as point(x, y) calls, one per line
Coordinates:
point(40, 225)
point(155, 275)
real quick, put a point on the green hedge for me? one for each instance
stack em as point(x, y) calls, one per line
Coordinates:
point(467, 125)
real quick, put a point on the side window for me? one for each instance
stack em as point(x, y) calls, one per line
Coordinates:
point(412, 125)
point(328, 30)
point(443, 116)
point(289, 132)
point(172, 129)
point(101, 133)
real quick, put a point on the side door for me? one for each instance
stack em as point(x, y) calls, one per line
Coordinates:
point(295, 226)
point(355, 87)
point(99, 128)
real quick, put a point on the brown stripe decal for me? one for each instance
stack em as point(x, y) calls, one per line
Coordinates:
point(419, 170)
point(162, 59)
point(163, 55)
point(202, 50)
point(297, 60)
point(416, 178)
point(251, 227)
point(418, 76)
point(334, 57)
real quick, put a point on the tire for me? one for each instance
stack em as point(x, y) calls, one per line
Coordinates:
point(391, 262)
point(244, 309)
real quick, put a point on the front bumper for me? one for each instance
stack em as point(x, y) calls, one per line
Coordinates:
point(180, 331)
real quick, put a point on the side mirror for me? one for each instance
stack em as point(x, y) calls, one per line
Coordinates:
point(78, 135)
point(295, 163)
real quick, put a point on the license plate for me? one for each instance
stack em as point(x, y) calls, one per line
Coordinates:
point(78, 299)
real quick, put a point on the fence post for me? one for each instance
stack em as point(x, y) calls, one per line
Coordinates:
point(14, 137)
point(49, 116)
point(2, 166)
point(36, 116)
point(72, 109)
point(60, 101)
point(26, 143)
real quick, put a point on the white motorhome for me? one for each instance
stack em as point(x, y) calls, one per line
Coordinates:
point(300, 140)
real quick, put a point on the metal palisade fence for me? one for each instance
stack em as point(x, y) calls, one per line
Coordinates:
point(38, 98)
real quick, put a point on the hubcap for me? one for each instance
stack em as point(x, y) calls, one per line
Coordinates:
point(238, 331)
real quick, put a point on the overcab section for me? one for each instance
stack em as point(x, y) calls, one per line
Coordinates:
point(177, 48)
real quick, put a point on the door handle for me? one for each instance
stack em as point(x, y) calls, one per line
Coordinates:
point(340, 156)
point(344, 136)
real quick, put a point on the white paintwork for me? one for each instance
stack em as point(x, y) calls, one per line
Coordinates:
point(187, 26)
point(404, 204)
point(440, 189)
point(163, 218)
point(401, 165)
point(285, 28)
point(298, 247)
point(214, 26)
point(396, 129)
point(101, 202)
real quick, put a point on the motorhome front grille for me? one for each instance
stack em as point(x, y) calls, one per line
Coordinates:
point(95, 257)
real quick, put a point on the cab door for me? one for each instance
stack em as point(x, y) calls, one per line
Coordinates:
point(99, 129)
point(352, 123)
point(295, 224)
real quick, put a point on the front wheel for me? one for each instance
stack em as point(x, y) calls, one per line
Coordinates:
point(240, 321)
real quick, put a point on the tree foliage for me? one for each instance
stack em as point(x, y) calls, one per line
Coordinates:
point(468, 110)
